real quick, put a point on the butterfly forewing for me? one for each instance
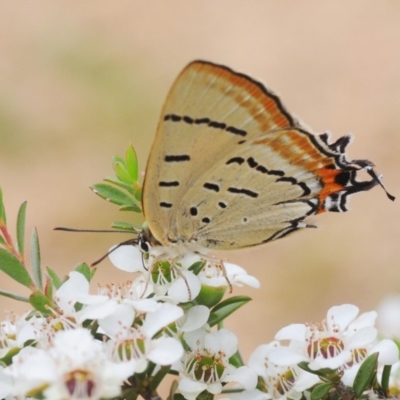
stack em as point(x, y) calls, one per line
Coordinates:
point(208, 111)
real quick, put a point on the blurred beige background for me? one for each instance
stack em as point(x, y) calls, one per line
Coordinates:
point(79, 81)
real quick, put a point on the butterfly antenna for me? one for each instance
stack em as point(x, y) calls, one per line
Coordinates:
point(132, 242)
point(60, 228)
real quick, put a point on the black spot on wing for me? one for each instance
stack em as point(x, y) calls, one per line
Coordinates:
point(164, 204)
point(246, 192)
point(235, 160)
point(218, 125)
point(199, 121)
point(193, 211)
point(252, 162)
point(236, 131)
point(168, 184)
point(177, 158)
point(212, 124)
point(188, 119)
point(211, 186)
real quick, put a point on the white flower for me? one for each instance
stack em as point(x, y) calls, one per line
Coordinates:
point(277, 366)
point(207, 366)
point(388, 355)
point(75, 367)
point(138, 343)
point(230, 274)
point(164, 271)
point(195, 318)
point(338, 342)
point(131, 297)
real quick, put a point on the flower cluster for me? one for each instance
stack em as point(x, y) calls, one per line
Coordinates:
point(120, 340)
point(333, 349)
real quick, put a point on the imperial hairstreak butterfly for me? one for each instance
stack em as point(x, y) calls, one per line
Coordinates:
point(230, 168)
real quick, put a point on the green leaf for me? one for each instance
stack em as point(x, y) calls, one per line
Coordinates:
point(177, 396)
point(2, 241)
point(86, 271)
point(3, 219)
point(118, 159)
point(385, 378)
point(226, 308)
point(40, 302)
point(126, 226)
point(366, 375)
point(132, 164)
point(7, 359)
point(197, 267)
point(113, 195)
point(131, 208)
point(236, 360)
point(138, 193)
point(172, 391)
point(55, 280)
point(122, 173)
point(128, 187)
point(21, 228)
point(14, 296)
point(11, 266)
point(35, 260)
point(320, 391)
point(325, 373)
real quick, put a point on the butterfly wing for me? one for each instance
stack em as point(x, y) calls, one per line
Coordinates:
point(230, 168)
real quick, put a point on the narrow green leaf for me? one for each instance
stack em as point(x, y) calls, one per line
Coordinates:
point(21, 228)
point(128, 187)
point(320, 391)
point(3, 219)
point(118, 159)
point(40, 302)
point(7, 359)
point(324, 373)
point(126, 226)
point(131, 208)
point(385, 378)
point(11, 266)
point(35, 259)
point(132, 164)
point(226, 308)
point(48, 288)
point(113, 194)
point(197, 267)
point(177, 396)
point(365, 375)
point(14, 296)
point(55, 280)
point(2, 241)
point(122, 173)
point(174, 387)
point(85, 270)
point(138, 193)
point(236, 360)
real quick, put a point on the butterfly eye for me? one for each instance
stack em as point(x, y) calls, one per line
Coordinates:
point(144, 246)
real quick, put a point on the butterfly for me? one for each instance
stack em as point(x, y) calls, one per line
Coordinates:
point(231, 168)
